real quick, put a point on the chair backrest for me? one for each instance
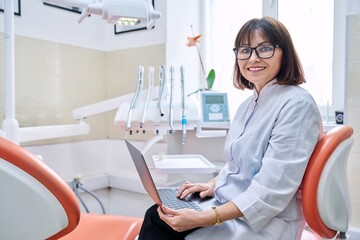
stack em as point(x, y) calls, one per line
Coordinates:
point(325, 197)
point(35, 203)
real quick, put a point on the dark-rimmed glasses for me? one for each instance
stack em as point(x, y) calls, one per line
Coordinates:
point(262, 51)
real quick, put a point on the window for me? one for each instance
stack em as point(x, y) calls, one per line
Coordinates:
point(223, 21)
point(316, 28)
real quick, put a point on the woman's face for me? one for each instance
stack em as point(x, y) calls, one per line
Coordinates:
point(257, 70)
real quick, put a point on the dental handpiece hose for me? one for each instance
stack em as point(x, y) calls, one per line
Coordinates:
point(183, 120)
point(162, 78)
point(171, 117)
point(136, 96)
point(150, 85)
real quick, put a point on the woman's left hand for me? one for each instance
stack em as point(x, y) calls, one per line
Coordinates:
point(179, 220)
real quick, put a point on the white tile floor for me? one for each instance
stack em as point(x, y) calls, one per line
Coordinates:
point(117, 202)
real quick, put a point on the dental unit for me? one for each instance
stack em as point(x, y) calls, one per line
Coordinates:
point(165, 113)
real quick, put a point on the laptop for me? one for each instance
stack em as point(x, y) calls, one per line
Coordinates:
point(166, 196)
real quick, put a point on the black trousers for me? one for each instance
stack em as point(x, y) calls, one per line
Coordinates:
point(153, 228)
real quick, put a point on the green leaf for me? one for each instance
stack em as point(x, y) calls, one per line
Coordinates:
point(210, 78)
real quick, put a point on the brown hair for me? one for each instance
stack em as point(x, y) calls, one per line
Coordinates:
point(291, 72)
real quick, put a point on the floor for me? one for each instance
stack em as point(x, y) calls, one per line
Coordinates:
point(117, 202)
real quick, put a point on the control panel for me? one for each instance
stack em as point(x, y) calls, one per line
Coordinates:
point(214, 107)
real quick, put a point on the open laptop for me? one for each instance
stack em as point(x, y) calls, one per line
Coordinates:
point(167, 196)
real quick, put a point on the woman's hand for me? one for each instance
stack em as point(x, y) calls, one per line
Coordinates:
point(204, 189)
point(183, 219)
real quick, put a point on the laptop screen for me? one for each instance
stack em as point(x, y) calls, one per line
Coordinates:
point(143, 172)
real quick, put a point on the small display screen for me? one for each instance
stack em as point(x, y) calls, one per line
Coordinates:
point(216, 116)
point(211, 99)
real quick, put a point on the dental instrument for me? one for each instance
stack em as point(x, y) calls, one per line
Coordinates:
point(183, 119)
point(171, 116)
point(139, 86)
point(162, 79)
point(150, 85)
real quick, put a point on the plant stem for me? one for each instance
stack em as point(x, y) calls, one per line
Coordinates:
point(198, 51)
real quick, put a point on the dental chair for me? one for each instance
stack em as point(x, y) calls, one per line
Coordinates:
point(35, 203)
point(325, 196)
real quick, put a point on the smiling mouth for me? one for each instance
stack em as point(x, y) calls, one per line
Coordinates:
point(256, 69)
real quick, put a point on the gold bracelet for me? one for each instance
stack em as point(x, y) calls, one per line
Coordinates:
point(218, 221)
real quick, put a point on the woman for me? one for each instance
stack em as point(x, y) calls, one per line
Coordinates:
point(268, 147)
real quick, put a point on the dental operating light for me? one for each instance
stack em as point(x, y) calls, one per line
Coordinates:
point(122, 12)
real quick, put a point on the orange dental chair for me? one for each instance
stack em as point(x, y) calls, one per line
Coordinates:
point(325, 196)
point(35, 203)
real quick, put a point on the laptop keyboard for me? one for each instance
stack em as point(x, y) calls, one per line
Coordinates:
point(169, 198)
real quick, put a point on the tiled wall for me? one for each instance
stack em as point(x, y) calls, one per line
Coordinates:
point(52, 79)
point(353, 111)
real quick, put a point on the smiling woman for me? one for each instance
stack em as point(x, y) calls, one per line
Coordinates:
point(256, 192)
point(263, 66)
point(275, 56)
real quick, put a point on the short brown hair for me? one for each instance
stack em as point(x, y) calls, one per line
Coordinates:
point(291, 72)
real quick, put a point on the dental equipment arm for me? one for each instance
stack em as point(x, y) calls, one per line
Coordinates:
point(171, 117)
point(139, 86)
point(183, 119)
point(123, 12)
point(150, 85)
point(161, 88)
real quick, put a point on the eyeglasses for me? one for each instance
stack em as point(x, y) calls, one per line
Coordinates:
point(262, 51)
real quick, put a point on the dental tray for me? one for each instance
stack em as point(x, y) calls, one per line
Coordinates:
point(184, 163)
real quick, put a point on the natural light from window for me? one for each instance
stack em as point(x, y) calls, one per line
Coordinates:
point(311, 25)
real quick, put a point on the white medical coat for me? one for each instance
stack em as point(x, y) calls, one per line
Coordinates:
point(268, 147)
